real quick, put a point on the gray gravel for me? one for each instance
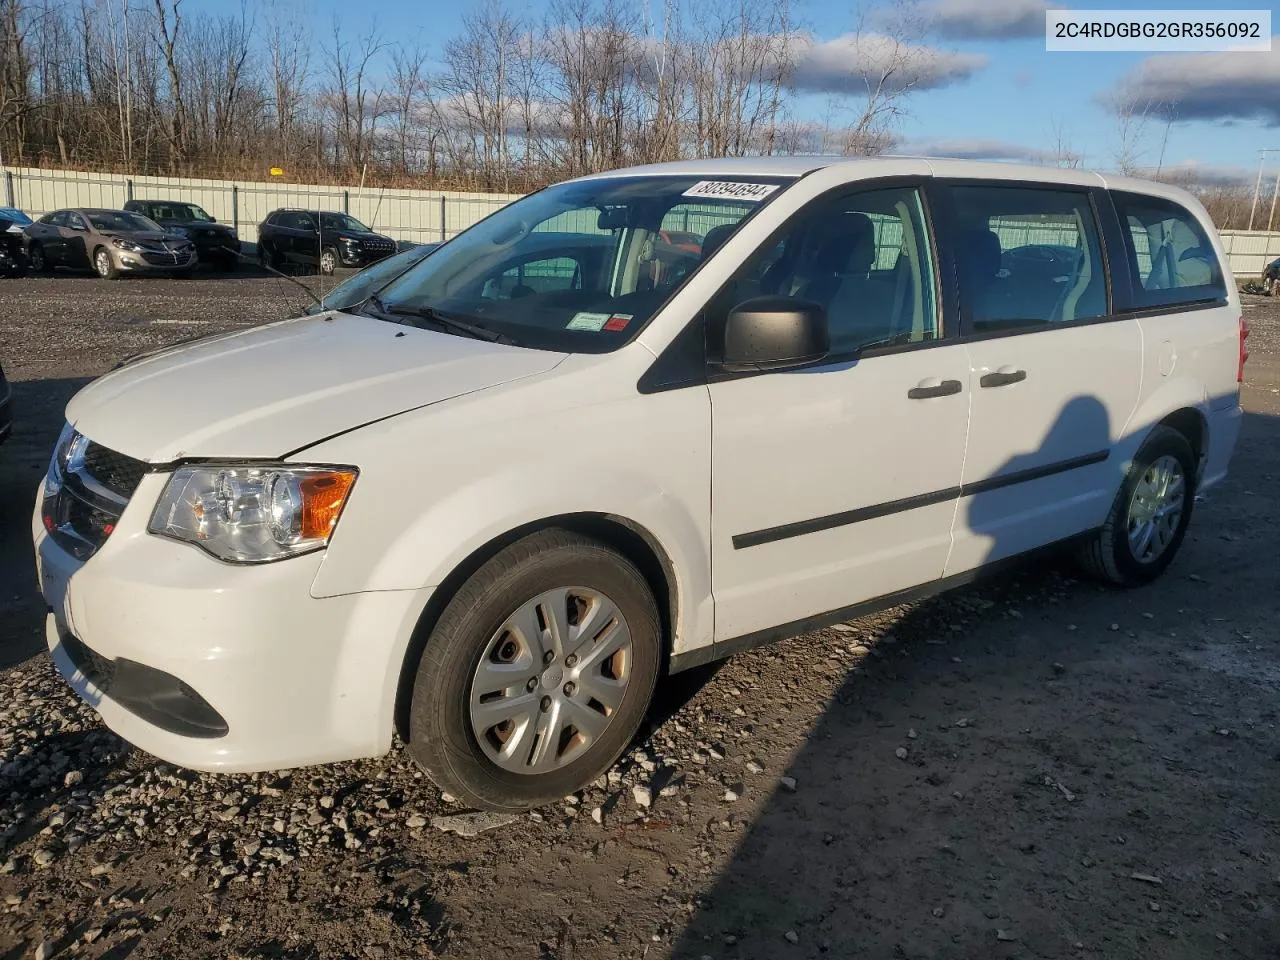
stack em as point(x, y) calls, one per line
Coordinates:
point(999, 773)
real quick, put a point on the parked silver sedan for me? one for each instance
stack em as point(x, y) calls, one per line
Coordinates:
point(109, 242)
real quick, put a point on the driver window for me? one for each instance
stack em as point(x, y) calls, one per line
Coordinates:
point(865, 257)
point(76, 222)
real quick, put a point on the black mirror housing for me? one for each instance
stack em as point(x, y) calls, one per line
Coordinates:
point(774, 333)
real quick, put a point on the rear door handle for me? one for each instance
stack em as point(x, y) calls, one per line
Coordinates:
point(934, 388)
point(1003, 377)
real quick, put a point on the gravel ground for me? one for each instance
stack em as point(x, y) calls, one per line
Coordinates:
point(1034, 768)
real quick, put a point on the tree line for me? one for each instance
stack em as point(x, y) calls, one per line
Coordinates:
point(148, 86)
point(511, 102)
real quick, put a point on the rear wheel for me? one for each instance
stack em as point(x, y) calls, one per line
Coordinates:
point(1149, 518)
point(537, 673)
point(103, 265)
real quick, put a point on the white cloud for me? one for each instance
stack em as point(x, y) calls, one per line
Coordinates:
point(1207, 86)
point(988, 19)
point(979, 149)
point(843, 65)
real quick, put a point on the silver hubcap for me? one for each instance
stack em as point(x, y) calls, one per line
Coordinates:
point(1155, 509)
point(551, 680)
point(103, 260)
point(327, 263)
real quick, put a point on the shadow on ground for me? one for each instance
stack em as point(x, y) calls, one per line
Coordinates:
point(951, 801)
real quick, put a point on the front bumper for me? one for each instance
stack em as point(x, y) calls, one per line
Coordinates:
point(216, 249)
point(293, 679)
point(132, 262)
point(362, 258)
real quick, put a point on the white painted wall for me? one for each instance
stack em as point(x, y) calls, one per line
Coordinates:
point(415, 215)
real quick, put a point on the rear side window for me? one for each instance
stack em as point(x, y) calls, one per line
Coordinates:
point(1170, 256)
point(1027, 257)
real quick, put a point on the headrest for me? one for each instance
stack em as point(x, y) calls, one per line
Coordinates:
point(716, 237)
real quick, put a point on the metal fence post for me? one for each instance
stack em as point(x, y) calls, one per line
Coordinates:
point(346, 201)
point(128, 189)
point(235, 209)
point(443, 237)
point(8, 189)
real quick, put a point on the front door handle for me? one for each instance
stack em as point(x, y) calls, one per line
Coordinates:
point(934, 388)
point(1003, 377)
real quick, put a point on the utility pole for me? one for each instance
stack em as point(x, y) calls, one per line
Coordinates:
point(1257, 187)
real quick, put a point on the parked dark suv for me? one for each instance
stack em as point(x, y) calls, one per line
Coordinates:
point(216, 243)
point(319, 239)
point(1271, 277)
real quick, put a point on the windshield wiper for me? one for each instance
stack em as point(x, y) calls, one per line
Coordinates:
point(432, 315)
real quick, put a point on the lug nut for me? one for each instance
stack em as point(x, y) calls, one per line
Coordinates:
point(548, 657)
point(569, 688)
point(571, 660)
point(546, 704)
point(532, 685)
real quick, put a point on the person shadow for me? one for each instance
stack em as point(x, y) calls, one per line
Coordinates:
point(923, 809)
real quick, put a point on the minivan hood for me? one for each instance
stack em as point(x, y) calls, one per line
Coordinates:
point(268, 391)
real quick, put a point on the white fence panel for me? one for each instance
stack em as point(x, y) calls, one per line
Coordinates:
point(417, 216)
point(1250, 251)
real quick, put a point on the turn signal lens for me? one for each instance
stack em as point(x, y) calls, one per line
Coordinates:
point(323, 496)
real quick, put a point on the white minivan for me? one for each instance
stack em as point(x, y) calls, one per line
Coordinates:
point(630, 424)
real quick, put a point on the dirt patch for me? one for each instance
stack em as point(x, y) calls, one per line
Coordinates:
point(1038, 767)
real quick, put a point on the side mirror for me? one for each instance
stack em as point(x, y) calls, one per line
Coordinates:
point(774, 333)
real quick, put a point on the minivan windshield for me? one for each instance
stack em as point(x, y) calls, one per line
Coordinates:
point(580, 266)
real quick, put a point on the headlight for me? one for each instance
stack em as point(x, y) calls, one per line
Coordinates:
point(253, 513)
point(349, 241)
point(124, 244)
point(61, 459)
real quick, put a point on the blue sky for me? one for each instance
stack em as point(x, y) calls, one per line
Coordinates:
point(1016, 102)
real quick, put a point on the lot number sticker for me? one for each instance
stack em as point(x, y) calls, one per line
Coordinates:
point(731, 190)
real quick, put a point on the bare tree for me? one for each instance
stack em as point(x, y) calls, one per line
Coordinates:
point(355, 105)
point(167, 38)
point(889, 66)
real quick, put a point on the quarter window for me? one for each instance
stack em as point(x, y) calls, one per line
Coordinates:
point(1170, 256)
point(1027, 257)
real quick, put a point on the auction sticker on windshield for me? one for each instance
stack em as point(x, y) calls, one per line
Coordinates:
point(730, 190)
point(588, 321)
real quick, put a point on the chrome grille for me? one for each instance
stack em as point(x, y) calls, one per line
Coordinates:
point(118, 473)
point(85, 494)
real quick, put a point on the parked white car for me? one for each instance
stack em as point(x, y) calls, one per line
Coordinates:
point(574, 449)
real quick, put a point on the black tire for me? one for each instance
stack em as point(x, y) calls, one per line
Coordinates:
point(441, 738)
point(106, 269)
point(328, 266)
point(228, 263)
point(267, 255)
point(36, 259)
point(1107, 555)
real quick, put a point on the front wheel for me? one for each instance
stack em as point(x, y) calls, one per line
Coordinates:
point(36, 259)
point(103, 265)
point(537, 674)
point(1149, 517)
point(328, 261)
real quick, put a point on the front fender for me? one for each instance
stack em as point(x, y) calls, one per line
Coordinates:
point(458, 480)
